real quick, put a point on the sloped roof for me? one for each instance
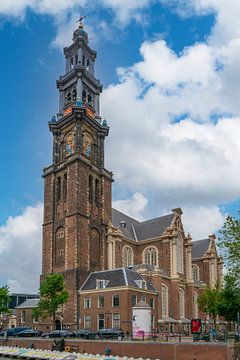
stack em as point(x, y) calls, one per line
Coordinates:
point(144, 230)
point(116, 278)
point(29, 303)
point(199, 248)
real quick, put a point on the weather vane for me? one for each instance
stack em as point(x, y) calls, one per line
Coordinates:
point(80, 20)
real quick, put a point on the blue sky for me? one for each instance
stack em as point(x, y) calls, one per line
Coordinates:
point(157, 57)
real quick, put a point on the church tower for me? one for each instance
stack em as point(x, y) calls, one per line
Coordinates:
point(77, 187)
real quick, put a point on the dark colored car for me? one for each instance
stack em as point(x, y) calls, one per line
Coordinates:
point(15, 331)
point(85, 334)
point(110, 334)
point(29, 333)
point(58, 334)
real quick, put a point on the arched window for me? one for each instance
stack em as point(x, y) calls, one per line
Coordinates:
point(164, 301)
point(90, 189)
point(76, 59)
point(150, 256)
point(181, 304)
point(60, 246)
point(127, 256)
point(97, 192)
point(195, 305)
point(195, 273)
point(83, 60)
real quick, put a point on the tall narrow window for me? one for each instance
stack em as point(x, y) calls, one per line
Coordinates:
point(97, 192)
point(164, 301)
point(83, 60)
point(60, 246)
point(65, 187)
point(181, 304)
point(116, 320)
point(195, 305)
point(127, 256)
point(59, 189)
point(90, 189)
point(195, 273)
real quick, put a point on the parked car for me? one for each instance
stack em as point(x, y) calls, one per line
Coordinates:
point(15, 330)
point(85, 334)
point(110, 334)
point(58, 334)
point(29, 333)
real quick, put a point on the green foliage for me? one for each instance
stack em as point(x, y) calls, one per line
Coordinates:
point(230, 305)
point(230, 242)
point(4, 299)
point(209, 302)
point(52, 295)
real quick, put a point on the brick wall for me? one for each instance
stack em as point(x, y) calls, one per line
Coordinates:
point(150, 350)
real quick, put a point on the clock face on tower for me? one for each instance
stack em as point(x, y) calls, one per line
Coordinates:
point(69, 144)
point(87, 145)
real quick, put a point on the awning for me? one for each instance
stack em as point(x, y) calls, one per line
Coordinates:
point(167, 320)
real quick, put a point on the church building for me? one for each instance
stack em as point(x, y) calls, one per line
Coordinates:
point(110, 261)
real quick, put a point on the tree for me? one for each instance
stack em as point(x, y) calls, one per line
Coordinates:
point(52, 295)
point(4, 299)
point(209, 302)
point(230, 305)
point(230, 242)
point(4, 303)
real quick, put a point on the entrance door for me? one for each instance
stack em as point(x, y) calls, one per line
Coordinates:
point(101, 322)
point(58, 324)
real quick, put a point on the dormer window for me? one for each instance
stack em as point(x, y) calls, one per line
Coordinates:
point(123, 224)
point(101, 284)
point(142, 284)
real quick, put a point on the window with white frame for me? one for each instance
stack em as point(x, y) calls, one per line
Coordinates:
point(87, 303)
point(164, 301)
point(195, 273)
point(116, 320)
point(127, 256)
point(150, 256)
point(101, 284)
point(181, 304)
point(115, 300)
point(142, 284)
point(23, 316)
point(101, 301)
point(87, 322)
point(134, 300)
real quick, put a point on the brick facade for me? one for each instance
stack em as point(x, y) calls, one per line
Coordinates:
point(80, 232)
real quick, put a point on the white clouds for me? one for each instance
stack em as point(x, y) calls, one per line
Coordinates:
point(20, 250)
point(202, 221)
point(176, 119)
point(133, 206)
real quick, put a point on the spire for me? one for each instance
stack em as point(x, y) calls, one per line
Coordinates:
point(80, 32)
